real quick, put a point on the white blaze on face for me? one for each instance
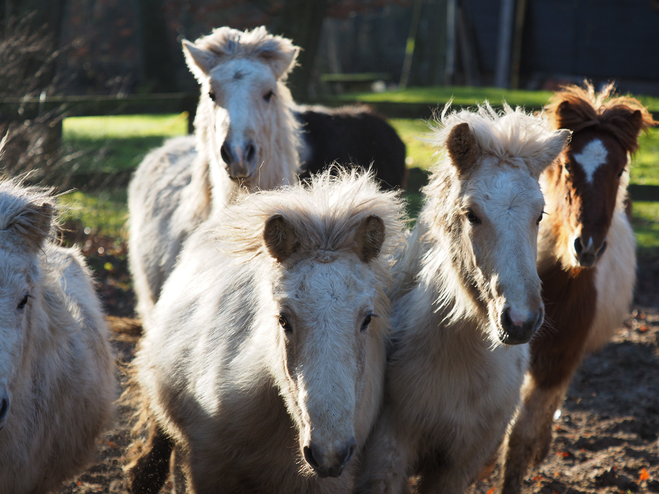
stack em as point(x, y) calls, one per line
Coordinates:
point(592, 156)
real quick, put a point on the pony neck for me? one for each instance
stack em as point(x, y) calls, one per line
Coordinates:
point(430, 259)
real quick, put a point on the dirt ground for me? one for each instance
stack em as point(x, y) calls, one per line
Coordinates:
point(606, 440)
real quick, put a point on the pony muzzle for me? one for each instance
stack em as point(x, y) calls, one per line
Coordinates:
point(587, 255)
point(329, 463)
point(239, 160)
point(519, 326)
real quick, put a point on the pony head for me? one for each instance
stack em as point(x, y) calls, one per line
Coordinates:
point(243, 121)
point(324, 249)
point(25, 222)
point(584, 187)
point(486, 199)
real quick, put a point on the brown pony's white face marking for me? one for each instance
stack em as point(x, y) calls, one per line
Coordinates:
point(326, 316)
point(585, 190)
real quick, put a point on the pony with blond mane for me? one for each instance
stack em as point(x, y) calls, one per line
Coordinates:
point(467, 300)
point(246, 137)
point(57, 381)
point(586, 258)
point(269, 377)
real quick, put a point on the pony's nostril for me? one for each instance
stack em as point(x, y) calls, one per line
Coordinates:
point(601, 249)
point(308, 455)
point(4, 409)
point(225, 152)
point(540, 318)
point(578, 246)
point(250, 152)
point(349, 454)
point(506, 321)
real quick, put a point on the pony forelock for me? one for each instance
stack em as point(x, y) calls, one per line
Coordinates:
point(599, 110)
point(509, 134)
point(257, 43)
point(29, 211)
point(325, 214)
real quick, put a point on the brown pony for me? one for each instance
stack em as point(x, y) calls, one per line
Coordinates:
point(586, 257)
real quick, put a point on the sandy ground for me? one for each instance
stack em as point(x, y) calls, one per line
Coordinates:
point(606, 440)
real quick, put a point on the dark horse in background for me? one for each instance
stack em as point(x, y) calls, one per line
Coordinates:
point(586, 258)
point(351, 135)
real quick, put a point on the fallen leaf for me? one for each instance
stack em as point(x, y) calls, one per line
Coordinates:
point(644, 475)
point(491, 491)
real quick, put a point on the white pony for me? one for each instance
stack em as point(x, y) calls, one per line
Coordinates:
point(57, 383)
point(245, 136)
point(467, 299)
point(266, 353)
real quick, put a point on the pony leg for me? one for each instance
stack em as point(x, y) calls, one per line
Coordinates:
point(178, 473)
point(149, 472)
point(384, 467)
point(530, 437)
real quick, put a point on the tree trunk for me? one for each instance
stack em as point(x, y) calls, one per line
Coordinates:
point(157, 64)
point(302, 21)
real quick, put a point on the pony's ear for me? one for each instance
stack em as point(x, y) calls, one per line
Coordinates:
point(462, 148)
point(551, 149)
point(369, 238)
point(34, 224)
point(279, 237)
point(200, 61)
point(280, 54)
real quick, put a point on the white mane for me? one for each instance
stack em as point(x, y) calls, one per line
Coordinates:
point(511, 136)
point(351, 197)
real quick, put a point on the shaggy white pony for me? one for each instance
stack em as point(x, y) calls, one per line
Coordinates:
point(57, 383)
point(246, 137)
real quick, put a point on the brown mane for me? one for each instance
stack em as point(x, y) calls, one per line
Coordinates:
point(577, 108)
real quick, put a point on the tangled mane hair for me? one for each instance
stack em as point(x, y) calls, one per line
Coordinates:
point(577, 108)
point(325, 214)
point(28, 211)
point(230, 43)
point(512, 135)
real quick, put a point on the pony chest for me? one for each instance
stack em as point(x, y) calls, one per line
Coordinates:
point(453, 384)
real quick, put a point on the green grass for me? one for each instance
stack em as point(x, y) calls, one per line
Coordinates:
point(645, 165)
point(645, 220)
point(412, 132)
point(104, 213)
point(116, 143)
point(468, 96)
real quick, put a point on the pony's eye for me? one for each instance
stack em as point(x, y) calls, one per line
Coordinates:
point(23, 303)
point(267, 96)
point(286, 326)
point(621, 172)
point(211, 95)
point(472, 218)
point(367, 321)
point(566, 167)
point(540, 218)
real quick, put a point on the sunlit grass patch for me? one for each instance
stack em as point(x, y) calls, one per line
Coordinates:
point(645, 220)
point(645, 165)
point(419, 153)
point(103, 213)
point(116, 143)
point(469, 96)
point(125, 126)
